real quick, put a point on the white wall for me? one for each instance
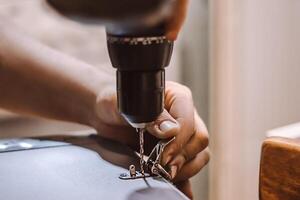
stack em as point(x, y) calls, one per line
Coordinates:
point(255, 69)
point(194, 71)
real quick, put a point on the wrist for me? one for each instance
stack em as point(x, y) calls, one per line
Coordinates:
point(82, 106)
point(104, 103)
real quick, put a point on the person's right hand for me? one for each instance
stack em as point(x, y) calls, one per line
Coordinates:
point(186, 155)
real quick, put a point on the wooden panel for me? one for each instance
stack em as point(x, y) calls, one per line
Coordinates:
point(280, 169)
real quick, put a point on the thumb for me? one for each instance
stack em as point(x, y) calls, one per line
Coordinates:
point(165, 126)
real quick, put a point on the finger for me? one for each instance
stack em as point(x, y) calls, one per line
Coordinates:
point(192, 167)
point(180, 104)
point(177, 19)
point(197, 143)
point(165, 126)
point(186, 188)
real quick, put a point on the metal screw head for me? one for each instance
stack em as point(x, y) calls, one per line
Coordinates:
point(154, 170)
point(132, 170)
point(123, 175)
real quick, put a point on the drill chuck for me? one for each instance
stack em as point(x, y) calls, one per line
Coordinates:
point(140, 63)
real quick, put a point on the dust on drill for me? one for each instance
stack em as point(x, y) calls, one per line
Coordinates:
point(152, 164)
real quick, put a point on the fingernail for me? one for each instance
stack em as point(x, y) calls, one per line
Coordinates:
point(173, 171)
point(167, 125)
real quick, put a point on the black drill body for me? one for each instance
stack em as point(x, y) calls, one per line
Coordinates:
point(140, 59)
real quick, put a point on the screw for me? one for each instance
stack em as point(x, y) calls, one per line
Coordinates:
point(132, 171)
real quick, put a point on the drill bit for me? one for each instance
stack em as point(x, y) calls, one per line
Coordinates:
point(141, 139)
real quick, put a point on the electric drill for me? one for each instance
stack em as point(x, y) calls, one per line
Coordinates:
point(140, 58)
point(137, 48)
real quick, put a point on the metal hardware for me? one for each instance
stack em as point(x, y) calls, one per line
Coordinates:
point(132, 171)
point(154, 160)
point(151, 164)
point(127, 176)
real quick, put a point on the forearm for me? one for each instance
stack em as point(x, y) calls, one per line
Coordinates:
point(35, 79)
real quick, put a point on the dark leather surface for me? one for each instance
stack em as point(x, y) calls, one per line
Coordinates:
point(74, 172)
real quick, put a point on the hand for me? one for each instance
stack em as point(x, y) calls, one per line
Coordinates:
point(177, 19)
point(185, 155)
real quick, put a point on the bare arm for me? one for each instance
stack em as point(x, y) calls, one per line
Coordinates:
point(37, 80)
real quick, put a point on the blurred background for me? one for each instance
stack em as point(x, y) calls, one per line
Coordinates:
point(240, 58)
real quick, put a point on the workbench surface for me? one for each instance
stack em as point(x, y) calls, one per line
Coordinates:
point(67, 171)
